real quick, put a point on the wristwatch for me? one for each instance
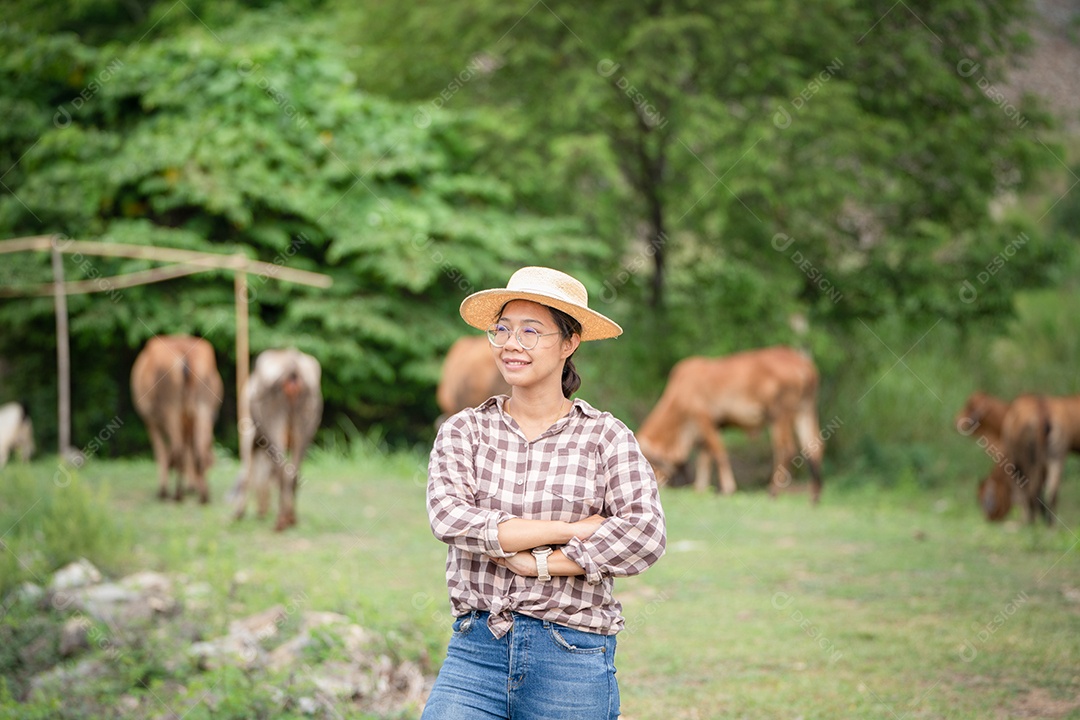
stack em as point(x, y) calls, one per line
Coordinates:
point(541, 554)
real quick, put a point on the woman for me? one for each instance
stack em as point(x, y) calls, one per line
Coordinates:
point(542, 502)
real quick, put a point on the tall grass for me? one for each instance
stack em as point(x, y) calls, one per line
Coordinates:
point(50, 516)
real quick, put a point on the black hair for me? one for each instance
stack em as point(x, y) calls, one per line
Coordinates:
point(567, 326)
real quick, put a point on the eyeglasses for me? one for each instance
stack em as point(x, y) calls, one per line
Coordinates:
point(527, 337)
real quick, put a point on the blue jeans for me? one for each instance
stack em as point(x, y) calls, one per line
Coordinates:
point(538, 671)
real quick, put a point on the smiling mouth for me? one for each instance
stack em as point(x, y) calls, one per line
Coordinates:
point(515, 362)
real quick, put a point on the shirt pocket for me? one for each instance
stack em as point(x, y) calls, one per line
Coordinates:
point(574, 486)
point(493, 489)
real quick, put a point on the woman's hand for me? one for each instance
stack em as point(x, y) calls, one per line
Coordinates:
point(520, 563)
point(583, 529)
point(523, 563)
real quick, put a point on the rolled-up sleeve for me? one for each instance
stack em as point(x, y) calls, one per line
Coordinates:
point(633, 536)
point(455, 518)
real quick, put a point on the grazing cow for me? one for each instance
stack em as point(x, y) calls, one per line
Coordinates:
point(1040, 458)
point(16, 433)
point(469, 376)
point(1025, 436)
point(1064, 438)
point(995, 491)
point(774, 387)
point(285, 397)
point(177, 391)
point(982, 418)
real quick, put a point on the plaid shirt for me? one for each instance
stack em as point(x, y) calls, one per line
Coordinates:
point(483, 472)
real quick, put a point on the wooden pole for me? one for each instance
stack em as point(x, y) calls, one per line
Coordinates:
point(42, 243)
point(243, 363)
point(109, 285)
point(188, 263)
point(63, 353)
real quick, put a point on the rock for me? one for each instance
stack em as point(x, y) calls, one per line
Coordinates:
point(111, 604)
point(74, 635)
point(154, 589)
point(29, 593)
point(228, 650)
point(75, 575)
point(262, 625)
point(314, 618)
point(288, 653)
point(341, 680)
point(307, 706)
point(243, 643)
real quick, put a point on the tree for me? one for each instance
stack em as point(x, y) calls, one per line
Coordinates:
point(253, 137)
point(830, 146)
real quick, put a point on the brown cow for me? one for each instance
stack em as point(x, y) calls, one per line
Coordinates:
point(284, 395)
point(1064, 438)
point(1043, 430)
point(469, 376)
point(774, 387)
point(982, 418)
point(177, 391)
point(1025, 437)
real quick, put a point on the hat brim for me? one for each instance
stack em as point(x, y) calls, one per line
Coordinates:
point(480, 310)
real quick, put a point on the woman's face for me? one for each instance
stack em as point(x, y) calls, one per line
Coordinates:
point(521, 367)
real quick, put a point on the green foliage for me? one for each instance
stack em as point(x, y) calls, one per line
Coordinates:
point(255, 138)
point(29, 644)
point(863, 136)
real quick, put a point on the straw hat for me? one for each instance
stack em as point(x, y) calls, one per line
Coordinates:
point(547, 287)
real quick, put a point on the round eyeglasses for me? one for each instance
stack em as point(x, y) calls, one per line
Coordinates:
point(527, 337)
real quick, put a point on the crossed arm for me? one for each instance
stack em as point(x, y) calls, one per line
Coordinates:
point(520, 536)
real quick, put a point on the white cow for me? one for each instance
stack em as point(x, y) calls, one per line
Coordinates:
point(285, 399)
point(16, 432)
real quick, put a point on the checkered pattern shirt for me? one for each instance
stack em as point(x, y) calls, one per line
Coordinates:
point(483, 471)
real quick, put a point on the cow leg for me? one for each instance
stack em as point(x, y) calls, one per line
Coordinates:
point(246, 477)
point(1054, 469)
point(263, 474)
point(285, 472)
point(243, 481)
point(715, 445)
point(202, 451)
point(287, 503)
point(185, 481)
point(290, 478)
point(811, 447)
point(703, 471)
point(162, 459)
point(783, 442)
point(178, 447)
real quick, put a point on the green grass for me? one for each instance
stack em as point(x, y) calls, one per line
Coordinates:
point(898, 602)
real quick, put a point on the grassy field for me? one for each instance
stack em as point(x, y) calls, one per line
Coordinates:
point(897, 603)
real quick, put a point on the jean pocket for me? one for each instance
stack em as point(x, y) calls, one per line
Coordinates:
point(578, 642)
point(463, 625)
